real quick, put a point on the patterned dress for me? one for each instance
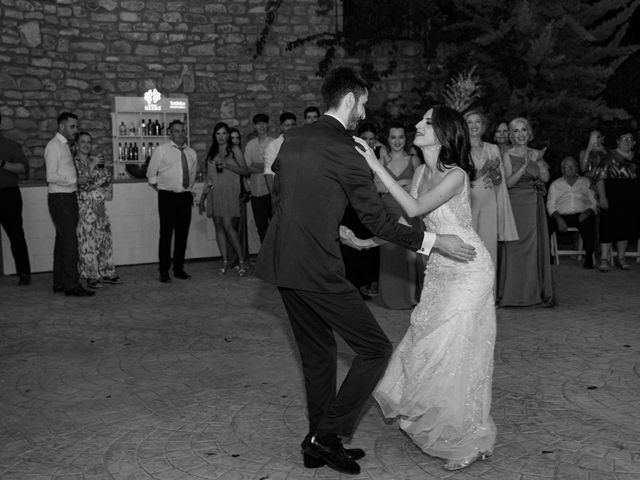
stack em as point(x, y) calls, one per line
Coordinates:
point(439, 378)
point(95, 244)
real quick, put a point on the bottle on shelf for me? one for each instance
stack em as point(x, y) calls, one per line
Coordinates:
point(162, 129)
point(134, 154)
point(122, 129)
point(143, 152)
point(150, 151)
point(156, 128)
point(149, 127)
point(143, 127)
point(132, 128)
point(120, 151)
point(129, 151)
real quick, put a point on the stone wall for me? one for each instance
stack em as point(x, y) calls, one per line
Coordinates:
point(76, 55)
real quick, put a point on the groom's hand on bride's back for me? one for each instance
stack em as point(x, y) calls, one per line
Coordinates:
point(453, 246)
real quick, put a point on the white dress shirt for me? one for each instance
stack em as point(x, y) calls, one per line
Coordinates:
point(254, 153)
point(569, 199)
point(61, 170)
point(271, 152)
point(165, 167)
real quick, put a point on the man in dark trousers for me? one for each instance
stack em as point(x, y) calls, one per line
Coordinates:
point(12, 163)
point(320, 172)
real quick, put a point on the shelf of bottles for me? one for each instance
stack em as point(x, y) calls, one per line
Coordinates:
point(139, 125)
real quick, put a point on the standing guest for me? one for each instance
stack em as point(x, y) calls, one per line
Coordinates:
point(619, 193)
point(311, 115)
point(524, 277)
point(172, 172)
point(398, 277)
point(240, 223)
point(13, 163)
point(362, 267)
point(490, 206)
point(572, 203)
point(254, 157)
point(287, 122)
point(94, 228)
point(501, 137)
point(63, 181)
point(592, 156)
point(224, 168)
point(320, 173)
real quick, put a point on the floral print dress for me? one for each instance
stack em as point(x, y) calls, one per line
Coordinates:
point(95, 245)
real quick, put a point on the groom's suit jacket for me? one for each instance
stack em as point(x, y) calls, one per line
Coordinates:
point(320, 173)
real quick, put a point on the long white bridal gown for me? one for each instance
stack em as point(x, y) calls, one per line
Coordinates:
point(439, 378)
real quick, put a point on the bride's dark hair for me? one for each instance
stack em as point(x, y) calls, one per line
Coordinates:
point(452, 132)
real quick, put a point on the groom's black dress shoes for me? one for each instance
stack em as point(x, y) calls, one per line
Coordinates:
point(333, 454)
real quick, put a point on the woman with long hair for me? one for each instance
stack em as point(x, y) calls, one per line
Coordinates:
point(439, 377)
point(224, 165)
point(398, 279)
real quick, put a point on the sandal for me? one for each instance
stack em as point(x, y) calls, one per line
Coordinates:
point(224, 268)
point(243, 269)
point(452, 464)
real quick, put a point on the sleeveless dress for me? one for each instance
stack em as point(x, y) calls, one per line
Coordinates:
point(95, 244)
point(398, 277)
point(439, 377)
point(226, 190)
point(490, 206)
point(524, 276)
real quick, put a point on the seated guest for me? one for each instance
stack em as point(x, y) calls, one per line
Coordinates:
point(572, 203)
point(95, 245)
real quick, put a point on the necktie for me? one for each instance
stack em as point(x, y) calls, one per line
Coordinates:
point(185, 169)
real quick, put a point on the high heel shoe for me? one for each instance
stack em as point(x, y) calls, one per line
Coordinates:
point(224, 268)
point(455, 464)
point(243, 269)
point(622, 264)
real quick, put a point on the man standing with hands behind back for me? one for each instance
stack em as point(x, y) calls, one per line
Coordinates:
point(63, 180)
point(172, 172)
point(13, 163)
point(321, 173)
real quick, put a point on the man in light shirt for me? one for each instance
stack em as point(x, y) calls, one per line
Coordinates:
point(62, 180)
point(287, 122)
point(254, 157)
point(172, 172)
point(572, 203)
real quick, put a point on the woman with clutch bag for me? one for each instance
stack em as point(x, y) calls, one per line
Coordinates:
point(490, 205)
point(224, 165)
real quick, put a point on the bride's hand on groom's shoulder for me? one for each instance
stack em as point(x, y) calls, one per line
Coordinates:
point(453, 246)
point(368, 154)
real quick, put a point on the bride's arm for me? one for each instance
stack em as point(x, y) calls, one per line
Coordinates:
point(447, 188)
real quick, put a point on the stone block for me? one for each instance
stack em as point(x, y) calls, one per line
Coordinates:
point(30, 34)
point(147, 50)
point(29, 83)
point(129, 17)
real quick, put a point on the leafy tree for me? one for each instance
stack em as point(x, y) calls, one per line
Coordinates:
point(544, 59)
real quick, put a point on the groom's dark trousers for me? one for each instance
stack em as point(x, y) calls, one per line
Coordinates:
point(320, 173)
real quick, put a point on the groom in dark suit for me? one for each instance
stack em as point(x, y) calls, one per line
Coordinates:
point(320, 172)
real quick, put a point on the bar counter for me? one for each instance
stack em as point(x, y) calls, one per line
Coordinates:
point(134, 223)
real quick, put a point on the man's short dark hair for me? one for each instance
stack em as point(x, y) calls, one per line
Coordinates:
point(175, 122)
point(341, 81)
point(311, 109)
point(260, 118)
point(64, 116)
point(287, 116)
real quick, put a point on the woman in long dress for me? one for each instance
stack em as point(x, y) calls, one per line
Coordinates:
point(490, 205)
point(524, 278)
point(95, 244)
point(439, 378)
point(398, 278)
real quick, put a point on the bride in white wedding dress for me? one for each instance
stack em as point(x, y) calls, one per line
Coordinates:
point(438, 381)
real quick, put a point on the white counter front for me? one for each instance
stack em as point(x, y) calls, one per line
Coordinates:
point(134, 224)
